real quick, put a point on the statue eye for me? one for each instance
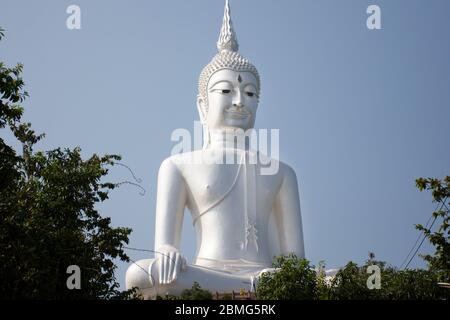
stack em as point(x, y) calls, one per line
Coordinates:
point(250, 94)
point(226, 91)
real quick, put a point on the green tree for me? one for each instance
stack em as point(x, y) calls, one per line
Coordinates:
point(322, 283)
point(416, 284)
point(350, 283)
point(440, 260)
point(48, 219)
point(294, 279)
point(195, 293)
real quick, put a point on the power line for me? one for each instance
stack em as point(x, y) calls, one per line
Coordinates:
point(421, 242)
point(424, 237)
point(138, 180)
point(148, 250)
point(134, 262)
point(143, 250)
point(417, 240)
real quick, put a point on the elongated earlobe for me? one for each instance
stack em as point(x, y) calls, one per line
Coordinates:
point(203, 113)
point(202, 109)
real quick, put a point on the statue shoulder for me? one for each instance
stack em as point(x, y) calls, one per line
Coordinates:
point(287, 171)
point(176, 164)
point(169, 167)
point(278, 167)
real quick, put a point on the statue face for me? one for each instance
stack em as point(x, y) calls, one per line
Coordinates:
point(232, 100)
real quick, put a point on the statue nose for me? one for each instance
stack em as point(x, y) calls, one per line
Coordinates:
point(237, 101)
point(238, 105)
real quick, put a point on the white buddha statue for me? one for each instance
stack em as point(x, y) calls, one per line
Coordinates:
point(231, 204)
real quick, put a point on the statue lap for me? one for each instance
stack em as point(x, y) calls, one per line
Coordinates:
point(144, 275)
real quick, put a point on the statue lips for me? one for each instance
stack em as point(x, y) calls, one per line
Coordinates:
point(238, 114)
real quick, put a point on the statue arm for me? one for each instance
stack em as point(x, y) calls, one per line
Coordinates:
point(288, 216)
point(170, 203)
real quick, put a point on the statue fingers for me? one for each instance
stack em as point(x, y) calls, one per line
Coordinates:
point(176, 267)
point(165, 267)
point(171, 267)
point(183, 263)
point(160, 267)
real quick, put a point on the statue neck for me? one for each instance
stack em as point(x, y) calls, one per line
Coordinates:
point(228, 138)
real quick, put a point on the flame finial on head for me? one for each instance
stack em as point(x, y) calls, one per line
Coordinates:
point(227, 38)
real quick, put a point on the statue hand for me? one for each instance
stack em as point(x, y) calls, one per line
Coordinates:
point(170, 263)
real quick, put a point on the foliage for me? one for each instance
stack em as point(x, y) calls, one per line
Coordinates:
point(48, 219)
point(195, 293)
point(440, 260)
point(322, 292)
point(350, 283)
point(130, 294)
point(294, 279)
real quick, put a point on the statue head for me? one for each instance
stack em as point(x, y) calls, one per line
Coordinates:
point(229, 86)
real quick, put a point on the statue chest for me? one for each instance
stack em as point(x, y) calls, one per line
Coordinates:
point(240, 187)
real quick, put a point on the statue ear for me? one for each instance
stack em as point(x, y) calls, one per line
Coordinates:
point(202, 109)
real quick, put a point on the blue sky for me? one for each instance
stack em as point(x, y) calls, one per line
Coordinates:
point(361, 112)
